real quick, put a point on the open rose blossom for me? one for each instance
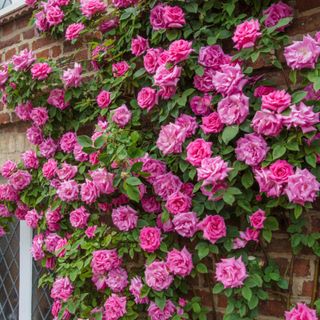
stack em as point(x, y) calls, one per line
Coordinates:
point(79, 217)
point(117, 279)
point(115, 307)
point(104, 261)
point(135, 288)
point(150, 239)
point(124, 218)
point(72, 77)
point(62, 289)
point(252, 149)
point(180, 262)
point(257, 219)
point(276, 101)
point(91, 7)
point(157, 276)
point(156, 313)
point(178, 202)
point(74, 30)
point(276, 12)
point(120, 68)
point(185, 224)
point(280, 171)
point(139, 45)
point(198, 150)
point(213, 227)
point(179, 50)
point(165, 17)
point(302, 187)
point(147, 98)
point(23, 60)
point(302, 54)
point(231, 272)
point(246, 34)
point(211, 123)
point(40, 71)
point(301, 312)
point(201, 105)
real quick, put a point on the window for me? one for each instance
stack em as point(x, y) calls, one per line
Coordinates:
point(7, 6)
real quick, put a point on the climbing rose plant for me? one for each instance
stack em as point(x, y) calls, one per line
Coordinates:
point(166, 156)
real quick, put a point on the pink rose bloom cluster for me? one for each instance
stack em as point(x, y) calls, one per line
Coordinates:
point(231, 272)
point(72, 77)
point(40, 71)
point(302, 54)
point(301, 312)
point(276, 12)
point(135, 288)
point(166, 17)
point(57, 99)
point(124, 218)
point(23, 60)
point(121, 116)
point(115, 307)
point(120, 68)
point(155, 313)
point(74, 30)
point(276, 101)
point(139, 45)
point(62, 289)
point(91, 7)
point(150, 239)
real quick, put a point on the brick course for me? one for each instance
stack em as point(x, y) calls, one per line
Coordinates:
point(17, 34)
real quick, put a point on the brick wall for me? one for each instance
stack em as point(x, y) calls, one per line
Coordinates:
point(16, 34)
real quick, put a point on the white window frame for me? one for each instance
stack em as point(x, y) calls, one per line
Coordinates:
point(16, 4)
point(25, 272)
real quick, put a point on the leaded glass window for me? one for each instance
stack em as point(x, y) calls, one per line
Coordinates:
point(5, 3)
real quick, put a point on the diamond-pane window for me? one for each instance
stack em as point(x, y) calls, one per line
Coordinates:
point(41, 301)
point(9, 273)
point(5, 3)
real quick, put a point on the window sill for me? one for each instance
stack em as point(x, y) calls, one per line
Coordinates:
point(14, 13)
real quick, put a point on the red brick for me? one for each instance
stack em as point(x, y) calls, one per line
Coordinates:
point(307, 288)
point(43, 54)
point(7, 29)
point(273, 308)
point(303, 5)
point(56, 51)
point(301, 267)
point(10, 53)
point(23, 46)
point(29, 34)
point(81, 55)
point(22, 22)
point(42, 42)
point(4, 118)
point(305, 24)
point(10, 42)
point(222, 301)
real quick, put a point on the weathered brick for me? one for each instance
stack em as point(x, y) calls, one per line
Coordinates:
point(273, 308)
point(10, 41)
point(301, 267)
point(43, 54)
point(42, 42)
point(29, 34)
point(4, 118)
point(56, 51)
point(10, 53)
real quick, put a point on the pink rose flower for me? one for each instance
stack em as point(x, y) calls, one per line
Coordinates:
point(91, 7)
point(103, 180)
point(166, 184)
point(211, 56)
point(121, 116)
point(302, 54)
point(246, 34)
point(74, 30)
point(115, 307)
point(156, 17)
point(23, 60)
point(276, 101)
point(213, 170)
point(54, 15)
point(231, 272)
point(178, 202)
point(167, 92)
point(150, 239)
point(211, 123)
point(79, 217)
point(267, 185)
point(23, 111)
point(120, 68)
point(230, 80)
point(117, 279)
point(104, 99)
point(233, 109)
point(4, 211)
point(205, 82)
point(276, 12)
point(34, 135)
point(57, 99)
point(156, 313)
point(301, 312)
point(104, 261)
point(257, 219)
point(41, 22)
point(267, 123)
point(30, 160)
point(123, 3)
point(53, 217)
point(185, 224)
point(213, 227)
point(302, 187)
point(263, 91)
point(20, 179)
point(32, 218)
point(147, 98)
point(39, 116)
point(180, 262)
point(180, 50)
point(201, 105)
point(170, 139)
point(72, 77)
point(187, 123)
point(40, 71)
point(151, 60)
point(108, 25)
point(89, 192)
point(198, 150)
point(153, 167)
point(167, 77)
point(4, 74)
point(252, 149)
point(36, 249)
point(301, 116)
point(90, 231)
point(68, 191)
point(139, 45)
point(8, 168)
point(311, 93)
point(61, 289)
point(280, 171)
point(79, 155)
point(173, 17)
point(68, 142)
point(66, 172)
point(157, 276)
point(124, 218)
point(135, 288)
point(51, 241)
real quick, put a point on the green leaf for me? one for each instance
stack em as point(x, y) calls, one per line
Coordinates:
point(278, 152)
point(247, 179)
point(312, 160)
point(247, 293)
point(196, 307)
point(191, 7)
point(132, 192)
point(228, 198)
point(271, 224)
point(133, 181)
point(84, 141)
point(160, 302)
point(267, 235)
point(202, 268)
point(218, 288)
point(298, 96)
point(253, 303)
point(139, 73)
point(297, 211)
point(229, 133)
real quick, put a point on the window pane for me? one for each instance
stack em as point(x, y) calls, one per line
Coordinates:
point(41, 301)
point(5, 3)
point(9, 273)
